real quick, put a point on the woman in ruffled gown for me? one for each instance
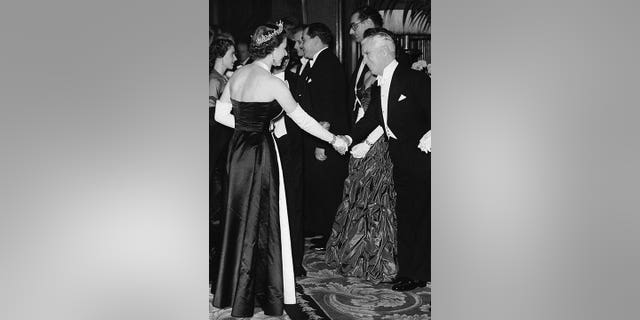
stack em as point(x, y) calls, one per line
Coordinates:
point(256, 263)
point(363, 238)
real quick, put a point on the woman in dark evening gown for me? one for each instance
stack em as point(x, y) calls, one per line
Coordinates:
point(256, 263)
point(363, 239)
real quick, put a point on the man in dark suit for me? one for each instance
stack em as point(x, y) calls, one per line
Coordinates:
point(323, 96)
point(401, 103)
point(362, 19)
point(295, 77)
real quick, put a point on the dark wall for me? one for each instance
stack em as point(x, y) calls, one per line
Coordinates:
point(349, 46)
point(290, 9)
point(241, 17)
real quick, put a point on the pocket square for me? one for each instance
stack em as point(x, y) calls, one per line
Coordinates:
point(402, 97)
point(309, 80)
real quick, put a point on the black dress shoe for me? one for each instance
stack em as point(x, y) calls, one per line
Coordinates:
point(318, 241)
point(408, 285)
point(318, 244)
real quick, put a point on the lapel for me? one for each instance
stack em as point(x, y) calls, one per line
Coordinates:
point(375, 103)
point(303, 67)
point(317, 64)
point(395, 90)
point(359, 80)
point(301, 88)
point(305, 72)
point(301, 81)
point(354, 75)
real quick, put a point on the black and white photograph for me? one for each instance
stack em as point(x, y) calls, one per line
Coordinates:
point(309, 189)
point(320, 148)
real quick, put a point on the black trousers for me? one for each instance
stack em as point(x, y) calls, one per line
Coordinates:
point(323, 187)
point(412, 182)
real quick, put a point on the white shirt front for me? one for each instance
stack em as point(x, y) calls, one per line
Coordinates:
point(384, 81)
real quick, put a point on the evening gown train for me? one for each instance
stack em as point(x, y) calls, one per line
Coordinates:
point(255, 263)
point(363, 238)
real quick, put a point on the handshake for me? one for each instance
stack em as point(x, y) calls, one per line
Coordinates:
point(341, 144)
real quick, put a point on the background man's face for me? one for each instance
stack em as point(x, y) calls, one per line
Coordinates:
point(358, 27)
point(243, 51)
point(309, 45)
point(297, 37)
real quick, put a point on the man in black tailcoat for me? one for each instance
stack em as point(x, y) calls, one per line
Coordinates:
point(401, 104)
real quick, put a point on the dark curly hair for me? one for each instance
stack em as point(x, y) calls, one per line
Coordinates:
point(220, 47)
point(259, 51)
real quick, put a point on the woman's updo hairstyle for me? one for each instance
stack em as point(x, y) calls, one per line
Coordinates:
point(265, 39)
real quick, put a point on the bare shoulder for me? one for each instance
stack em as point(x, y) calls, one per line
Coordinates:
point(276, 86)
point(277, 82)
point(241, 76)
point(253, 83)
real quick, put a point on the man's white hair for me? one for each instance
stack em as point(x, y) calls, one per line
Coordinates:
point(382, 39)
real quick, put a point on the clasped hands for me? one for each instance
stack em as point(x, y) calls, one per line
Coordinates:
point(341, 144)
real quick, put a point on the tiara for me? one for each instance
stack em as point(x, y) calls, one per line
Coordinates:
point(269, 35)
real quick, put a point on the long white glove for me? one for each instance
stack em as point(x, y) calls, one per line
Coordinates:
point(279, 128)
point(223, 114)
point(360, 150)
point(309, 124)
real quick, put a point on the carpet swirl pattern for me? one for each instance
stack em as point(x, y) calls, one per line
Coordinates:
point(324, 294)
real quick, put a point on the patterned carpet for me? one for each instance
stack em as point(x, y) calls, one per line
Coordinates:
point(324, 294)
